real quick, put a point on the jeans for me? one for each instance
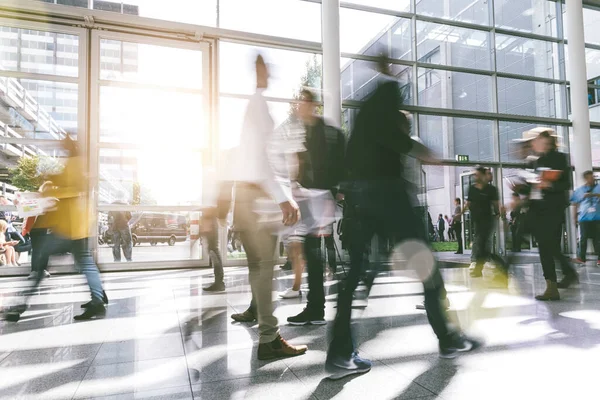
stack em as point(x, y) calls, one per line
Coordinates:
point(214, 254)
point(122, 238)
point(589, 230)
point(50, 244)
point(260, 245)
point(38, 262)
point(382, 208)
point(330, 246)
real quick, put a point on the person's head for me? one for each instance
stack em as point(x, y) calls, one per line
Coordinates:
point(457, 201)
point(3, 226)
point(383, 64)
point(262, 73)
point(488, 175)
point(588, 176)
point(481, 175)
point(544, 142)
point(306, 106)
point(70, 145)
point(440, 216)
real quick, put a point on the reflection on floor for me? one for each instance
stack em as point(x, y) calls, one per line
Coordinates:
point(164, 339)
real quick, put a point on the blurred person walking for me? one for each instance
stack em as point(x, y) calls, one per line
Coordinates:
point(483, 203)
point(70, 232)
point(320, 171)
point(548, 202)
point(38, 229)
point(441, 225)
point(121, 232)
point(587, 213)
point(457, 224)
point(377, 202)
point(249, 167)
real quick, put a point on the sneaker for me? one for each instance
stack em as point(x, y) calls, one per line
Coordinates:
point(568, 280)
point(47, 274)
point(287, 266)
point(460, 344)
point(580, 261)
point(472, 266)
point(89, 303)
point(93, 311)
point(291, 294)
point(32, 275)
point(279, 348)
point(246, 316)
point(445, 304)
point(215, 287)
point(598, 263)
point(340, 367)
point(307, 317)
point(476, 273)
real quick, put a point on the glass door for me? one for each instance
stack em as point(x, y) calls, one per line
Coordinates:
point(466, 180)
point(150, 142)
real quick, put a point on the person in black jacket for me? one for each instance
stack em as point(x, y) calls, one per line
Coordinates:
point(319, 173)
point(378, 203)
point(548, 202)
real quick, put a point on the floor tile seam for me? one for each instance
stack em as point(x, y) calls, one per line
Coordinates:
point(86, 372)
point(181, 336)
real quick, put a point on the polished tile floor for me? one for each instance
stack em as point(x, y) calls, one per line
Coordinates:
point(164, 339)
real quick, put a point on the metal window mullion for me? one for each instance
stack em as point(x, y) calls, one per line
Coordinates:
point(492, 38)
point(376, 10)
point(415, 73)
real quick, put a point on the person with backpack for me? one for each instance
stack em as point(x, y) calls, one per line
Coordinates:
point(587, 214)
point(320, 170)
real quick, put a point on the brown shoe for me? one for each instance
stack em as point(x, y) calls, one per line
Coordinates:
point(246, 316)
point(279, 348)
point(551, 292)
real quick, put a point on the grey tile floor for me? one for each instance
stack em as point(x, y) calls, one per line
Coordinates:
point(165, 339)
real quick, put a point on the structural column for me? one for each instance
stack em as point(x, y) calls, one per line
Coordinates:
point(332, 92)
point(581, 153)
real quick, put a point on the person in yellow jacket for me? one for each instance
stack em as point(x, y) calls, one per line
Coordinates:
point(70, 230)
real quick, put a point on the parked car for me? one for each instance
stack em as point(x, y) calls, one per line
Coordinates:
point(157, 227)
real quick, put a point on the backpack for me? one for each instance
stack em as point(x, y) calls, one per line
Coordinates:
point(336, 151)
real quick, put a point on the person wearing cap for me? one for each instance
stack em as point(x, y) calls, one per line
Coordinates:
point(547, 204)
point(587, 213)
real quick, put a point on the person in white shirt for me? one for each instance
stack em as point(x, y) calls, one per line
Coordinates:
point(249, 167)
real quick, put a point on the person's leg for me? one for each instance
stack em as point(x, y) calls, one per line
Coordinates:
point(116, 238)
point(298, 262)
point(86, 265)
point(331, 256)
point(596, 237)
point(127, 244)
point(458, 234)
point(314, 264)
point(481, 245)
point(10, 255)
point(585, 231)
point(215, 255)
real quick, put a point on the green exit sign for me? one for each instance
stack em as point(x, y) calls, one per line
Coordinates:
point(462, 158)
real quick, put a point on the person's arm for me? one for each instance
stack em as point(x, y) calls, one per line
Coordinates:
point(28, 225)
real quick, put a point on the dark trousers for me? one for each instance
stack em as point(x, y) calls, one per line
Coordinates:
point(314, 264)
point(589, 230)
point(330, 246)
point(122, 239)
point(457, 228)
point(213, 252)
point(482, 245)
point(547, 227)
point(39, 258)
point(382, 208)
